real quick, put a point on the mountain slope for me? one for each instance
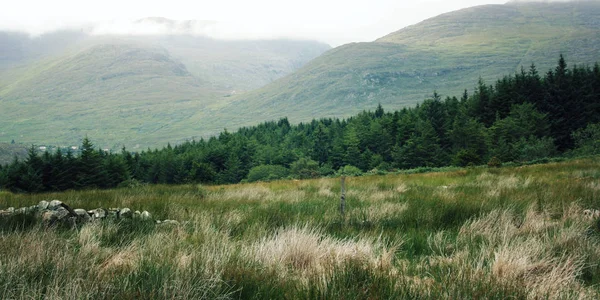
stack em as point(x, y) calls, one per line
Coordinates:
point(119, 90)
point(133, 90)
point(241, 65)
point(447, 53)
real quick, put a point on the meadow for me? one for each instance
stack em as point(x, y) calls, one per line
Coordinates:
point(515, 232)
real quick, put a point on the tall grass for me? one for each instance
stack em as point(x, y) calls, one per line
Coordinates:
point(472, 233)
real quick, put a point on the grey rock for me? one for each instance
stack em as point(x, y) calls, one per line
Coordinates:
point(98, 213)
point(22, 210)
point(10, 210)
point(125, 213)
point(82, 214)
point(169, 222)
point(43, 205)
point(146, 215)
point(54, 205)
point(61, 213)
point(113, 212)
point(48, 217)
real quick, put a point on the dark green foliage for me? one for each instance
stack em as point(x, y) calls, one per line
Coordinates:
point(349, 171)
point(521, 118)
point(267, 173)
point(465, 158)
point(494, 162)
point(304, 168)
point(587, 140)
point(90, 170)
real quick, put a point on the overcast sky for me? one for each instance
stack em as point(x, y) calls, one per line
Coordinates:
point(332, 21)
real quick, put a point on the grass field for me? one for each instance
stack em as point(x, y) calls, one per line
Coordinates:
point(512, 232)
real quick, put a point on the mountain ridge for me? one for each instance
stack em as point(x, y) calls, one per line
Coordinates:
point(447, 54)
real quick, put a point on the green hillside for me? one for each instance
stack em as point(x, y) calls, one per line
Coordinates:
point(447, 53)
point(135, 91)
point(119, 92)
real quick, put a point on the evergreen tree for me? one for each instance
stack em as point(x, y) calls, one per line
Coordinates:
point(421, 149)
point(351, 144)
point(90, 169)
point(469, 140)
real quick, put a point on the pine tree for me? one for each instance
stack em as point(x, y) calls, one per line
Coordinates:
point(321, 144)
point(351, 144)
point(90, 169)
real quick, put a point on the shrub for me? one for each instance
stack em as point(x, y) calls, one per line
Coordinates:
point(494, 162)
point(535, 148)
point(305, 168)
point(349, 170)
point(267, 173)
point(465, 158)
point(326, 170)
point(587, 140)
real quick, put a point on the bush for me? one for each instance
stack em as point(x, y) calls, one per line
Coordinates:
point(267, 173)
point(587, 140)
point(384, 166)
point(494, 162)
point(349, 170)
point(326, 170)
point(305, 168)
point(465, 158)
point(535, 148)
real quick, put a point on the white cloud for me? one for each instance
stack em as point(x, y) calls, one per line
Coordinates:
point(333, 21)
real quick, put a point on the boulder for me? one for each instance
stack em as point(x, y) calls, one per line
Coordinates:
point(146, 215)
point(61, 213)
point(83, 215)
point(43, 205)
point(113, 212)
point(125, 213)
point(22, 210)
point(169, 222)
point(48, 217)
point(98, 213)
point(54, 205)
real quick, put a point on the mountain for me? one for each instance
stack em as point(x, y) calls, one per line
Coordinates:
point(447, 54)
point(164, 82)
point(134, 90)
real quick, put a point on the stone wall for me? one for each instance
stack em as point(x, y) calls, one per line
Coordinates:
point(56, 212)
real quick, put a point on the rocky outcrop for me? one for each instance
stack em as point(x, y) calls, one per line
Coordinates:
point(56, 212)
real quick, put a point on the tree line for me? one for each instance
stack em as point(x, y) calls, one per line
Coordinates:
point(522, 117)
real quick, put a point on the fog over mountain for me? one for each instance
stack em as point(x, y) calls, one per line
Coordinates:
point(334, 22)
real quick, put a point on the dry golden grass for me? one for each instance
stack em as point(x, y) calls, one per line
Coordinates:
point(304, 251)
point(522, 234)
